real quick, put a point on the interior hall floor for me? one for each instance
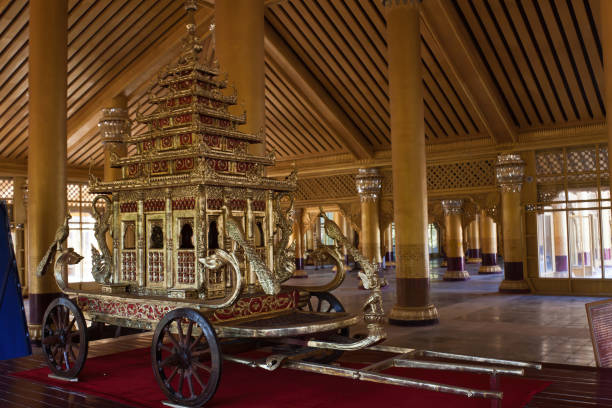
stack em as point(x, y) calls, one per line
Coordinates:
point(476, 319)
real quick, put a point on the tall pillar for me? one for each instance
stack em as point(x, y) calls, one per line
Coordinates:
point(240, 49)
point(413, 305)
point(19, 220)
point(605, 10)
point(369, 184)
point(299, 245)
point(47, 145)
point(560, 237)
point(347, 232)
point(474, 241)
point(114, 127)
point(455, 261)
point(488, 239)
point(509, 171)
point(389, 256)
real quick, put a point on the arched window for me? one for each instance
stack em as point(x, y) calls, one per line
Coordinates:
point(213, 236)
point(259, 235)
point(129, 236)
point(157, 237)
point(186, 237)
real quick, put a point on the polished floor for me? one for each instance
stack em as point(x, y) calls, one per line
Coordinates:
point(476, 319)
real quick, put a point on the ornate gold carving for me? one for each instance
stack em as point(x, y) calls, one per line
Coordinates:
point(102, 270)
point(411, 261)
point(509, 172)
point(369, 184)
point(61, 235)
point(452, 207)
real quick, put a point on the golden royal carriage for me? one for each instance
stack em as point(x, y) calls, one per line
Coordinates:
point(200, 252)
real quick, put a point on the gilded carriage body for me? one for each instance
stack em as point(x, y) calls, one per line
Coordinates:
point(189, 163)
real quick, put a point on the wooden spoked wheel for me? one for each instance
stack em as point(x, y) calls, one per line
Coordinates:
point(64, 338)
point(325, 302)
point(186, 358)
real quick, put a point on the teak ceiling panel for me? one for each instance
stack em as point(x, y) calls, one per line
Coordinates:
point(542, 59)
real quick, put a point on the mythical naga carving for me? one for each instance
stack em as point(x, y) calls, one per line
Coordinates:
point(284, 254)
point(102, 260)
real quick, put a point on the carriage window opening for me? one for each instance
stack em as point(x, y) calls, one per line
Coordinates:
point(157, 237)
point(186, 237)
point(213, 236)
point(129, 236)
point(259, 235)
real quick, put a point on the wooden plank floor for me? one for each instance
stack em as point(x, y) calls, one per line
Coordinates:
point(572, 386)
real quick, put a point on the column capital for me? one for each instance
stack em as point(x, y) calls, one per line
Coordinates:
point(414, 4)
point(452, 207)
point(509, 172)
point(115, 125)
point(369, 184)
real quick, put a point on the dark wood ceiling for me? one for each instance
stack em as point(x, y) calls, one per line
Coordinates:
point(542, 60)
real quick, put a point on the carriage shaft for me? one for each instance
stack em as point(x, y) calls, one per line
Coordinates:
point(362, 375)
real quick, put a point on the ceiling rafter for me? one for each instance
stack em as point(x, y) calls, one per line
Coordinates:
point(301, 79)
point(444, 25)
point(85, 120)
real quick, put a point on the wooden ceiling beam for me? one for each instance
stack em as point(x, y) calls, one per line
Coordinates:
point(446, 29)
point(284, 60)
point(132, 77)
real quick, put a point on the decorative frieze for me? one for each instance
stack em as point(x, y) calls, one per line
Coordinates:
point(115, 125)
point(369, 184)
point(509, 172)
point(452, 207)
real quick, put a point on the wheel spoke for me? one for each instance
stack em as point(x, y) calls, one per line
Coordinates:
point(71, 324)
point(181, 380)
point(200, 352)
point(59, 318)
point(189, 331)
point(52, 315)
point(172, 360)
point(319, 306)
point(190, 385)
point(197, 341)
point(201, 366)
point(310, 305)
point(172, 338)
point(172, 375)
point(198, 379)
point(66, 360)
point(72, 352)
point(166, 348)
point(179, 325)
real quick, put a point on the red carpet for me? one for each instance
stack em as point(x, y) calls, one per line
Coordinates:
point(128, 378)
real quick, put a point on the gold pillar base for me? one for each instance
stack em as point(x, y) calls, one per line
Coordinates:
point(514, 286)
point(300, 273)
point(473, 260)
point(35, 331)
point(456, 275)
point(413, 316)
point(489, 269)
point(444, 264)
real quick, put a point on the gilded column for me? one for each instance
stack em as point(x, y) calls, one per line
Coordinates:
point(240, 50)
point(509, 171)
point(47, 145)
point(114, 127)
point(606, 45)
point(560, 237)
point(299, 245)
point(455, 261)
point(474, 241)
point(488, 239)
point(389, 244)
point(347, 231)
point(413, 305)
point(369, 184)
point(19, 220)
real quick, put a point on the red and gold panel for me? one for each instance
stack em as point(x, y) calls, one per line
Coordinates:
point(238, 205)
point(155, 266)
point(243, 167)
point(185, 100)
point(186, 268)
point(207, 120)
point(128, 207)
point(182, 119)
point(224, 123)
point(148, 145)
point(259, 205)
point(133, 170)
point(159, 167)
point(184, 164)
point(183, 203)
point(185, 139)
point(214, 203)
point(213, 141)
point(166, 142)
point(161, 123)
point(154, 205)
point(128, 266)
point(256, 305)
point(218, 165)
point(183, 84)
